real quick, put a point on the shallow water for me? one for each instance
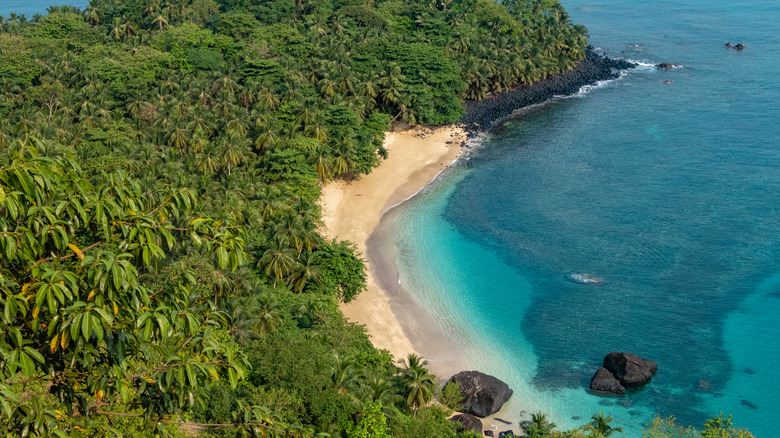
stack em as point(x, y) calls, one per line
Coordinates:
point(668, 192)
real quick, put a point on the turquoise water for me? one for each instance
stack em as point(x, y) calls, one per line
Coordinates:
point(32, 7)
point(669, 192)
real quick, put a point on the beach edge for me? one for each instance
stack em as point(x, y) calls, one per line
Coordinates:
point(353, 210)
point(416, 157)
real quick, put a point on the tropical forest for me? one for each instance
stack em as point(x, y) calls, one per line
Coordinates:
point(162, 266)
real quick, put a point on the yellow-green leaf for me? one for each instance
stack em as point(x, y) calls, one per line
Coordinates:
point(76, 250)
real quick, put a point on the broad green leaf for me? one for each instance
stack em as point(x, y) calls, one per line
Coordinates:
point(191, 376)
point(34, 354)
point(86, 326)
point(10, 247)
point(27, 365)
point(222, 257)
point(97, 327)
point(233, 378)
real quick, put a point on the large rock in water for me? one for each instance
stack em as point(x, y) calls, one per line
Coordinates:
point(604, 381)
point(483, 395)
point(468, 422)
point(630, 369)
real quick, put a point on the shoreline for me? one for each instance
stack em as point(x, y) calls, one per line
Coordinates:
point(351, 211)
point(481, 115)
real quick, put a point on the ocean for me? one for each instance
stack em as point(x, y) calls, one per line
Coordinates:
point(32, 7)
point(666, 184)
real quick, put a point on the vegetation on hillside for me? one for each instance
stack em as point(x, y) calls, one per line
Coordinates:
point(161, 268)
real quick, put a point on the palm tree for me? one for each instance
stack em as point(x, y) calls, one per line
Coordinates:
point(270, 201)
point(311, 311)
point(540, 427)
point(343, 373)
point(305, 272)
point(268, 314)
point(243, 318)
point(93, 16)
point(160, 21)
point(266, 101)
point(327, 86)
point(225, 83)
point(378, 389)
point(277, 261)
point(116, 32)
point(391, 85)
point(208, 160)
point(419, 383)
point(268, 134)
point(317, 128)
point(179, 137)
point(323, 162)
point(599, 426)
point(152, 7)
point(129, 28)
point(233, 151)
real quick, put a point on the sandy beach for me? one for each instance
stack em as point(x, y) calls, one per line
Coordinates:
point(351, 211)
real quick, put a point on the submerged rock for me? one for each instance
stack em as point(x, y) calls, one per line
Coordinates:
point(586, 279)
point(483, 395)
point(749, 404)
point(467, 422)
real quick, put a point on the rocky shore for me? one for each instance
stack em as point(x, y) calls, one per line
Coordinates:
point(480, 115)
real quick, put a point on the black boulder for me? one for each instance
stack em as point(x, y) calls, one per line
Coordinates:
point(483, 395)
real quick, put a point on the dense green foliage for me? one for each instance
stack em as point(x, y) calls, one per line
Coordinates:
point(160, 162)
point(600, 427)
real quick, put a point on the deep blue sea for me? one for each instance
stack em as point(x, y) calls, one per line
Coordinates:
point(670, 192)
point(32, 7)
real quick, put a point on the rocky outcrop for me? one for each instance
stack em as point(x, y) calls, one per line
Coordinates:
point(627, 369)
point(483, 395)
point(467, 422)
point(604, 381)
point(595, 67)
point(630, 369)
point(664, 66)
